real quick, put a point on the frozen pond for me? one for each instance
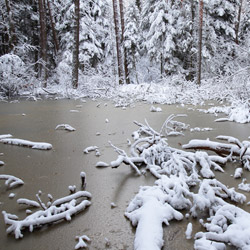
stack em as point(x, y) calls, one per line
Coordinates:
point(53, 171)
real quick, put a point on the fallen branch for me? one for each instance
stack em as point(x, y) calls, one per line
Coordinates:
point(11, 181)
point(60, 209)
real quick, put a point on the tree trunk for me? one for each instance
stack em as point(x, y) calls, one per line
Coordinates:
point(75, 69)
point(122, 41)
point(43, 42)
point(12, 36)
point(237, 26)
point(53, 27)
point(200, 41)
point(35, 35)
point(118, 42)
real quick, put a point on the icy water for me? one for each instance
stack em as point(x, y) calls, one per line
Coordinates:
point(53, 171)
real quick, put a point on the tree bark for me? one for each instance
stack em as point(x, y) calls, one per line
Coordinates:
point(75, 69)
point(200, 41)
point(43, 42)
point(237, 26)
point(12, 36)
point(122, 41)
point(118, 42)
point(53, 27)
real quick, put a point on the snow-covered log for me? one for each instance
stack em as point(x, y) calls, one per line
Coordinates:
point(26, 143)
point(11, 181)
point(148, 211)
point(63, 208)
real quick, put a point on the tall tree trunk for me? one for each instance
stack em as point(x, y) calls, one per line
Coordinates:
point(200, 41)
point(53, 27)
point(118, 42)
point(237, 26)
point(75, 66)
point(35, 35)
point(43, 42)
point(12, 35)
point(122, 41)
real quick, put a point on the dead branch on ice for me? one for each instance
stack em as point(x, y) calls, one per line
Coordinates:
point(63, 208)
point(11, 181)
point(233, 148)
point(230, 224)
point(26, 143)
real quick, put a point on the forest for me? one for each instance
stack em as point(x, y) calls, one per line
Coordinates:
point(65, 44)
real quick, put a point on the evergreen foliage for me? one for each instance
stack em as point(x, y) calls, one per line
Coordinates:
point(160, 38)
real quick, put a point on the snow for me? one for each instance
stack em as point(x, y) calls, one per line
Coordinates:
point(89, 149)
point(1, 163)
point(11, 181)
point(81, 241)
point(148, 210)
point(12, 195)
point(113, 205)
point(244, 186)
point(188, 232)
point(26, 143)
point(238, 173)
point(5, 136)
point(66, 127)
point(176, 172)
point(155, 109)
point(101, 164)
point(28, 202)
point(230, 224)
point(63, 208)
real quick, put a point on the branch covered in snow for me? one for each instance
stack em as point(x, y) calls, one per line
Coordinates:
point(11, 181)
point(26, 143)
point(230, 224)
point(60, 209)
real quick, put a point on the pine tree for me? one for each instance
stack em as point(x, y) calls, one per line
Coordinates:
point(132, 40)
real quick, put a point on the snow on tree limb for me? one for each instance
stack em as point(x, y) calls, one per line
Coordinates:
point(63, 208)
point(230, 224)
point(26, 143)
point(11, 181)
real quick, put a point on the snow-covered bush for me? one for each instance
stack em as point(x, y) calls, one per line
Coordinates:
point(12, 74)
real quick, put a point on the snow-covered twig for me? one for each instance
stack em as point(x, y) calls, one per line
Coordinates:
point(66, 127)
point(81, 241)
point(11, 181)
